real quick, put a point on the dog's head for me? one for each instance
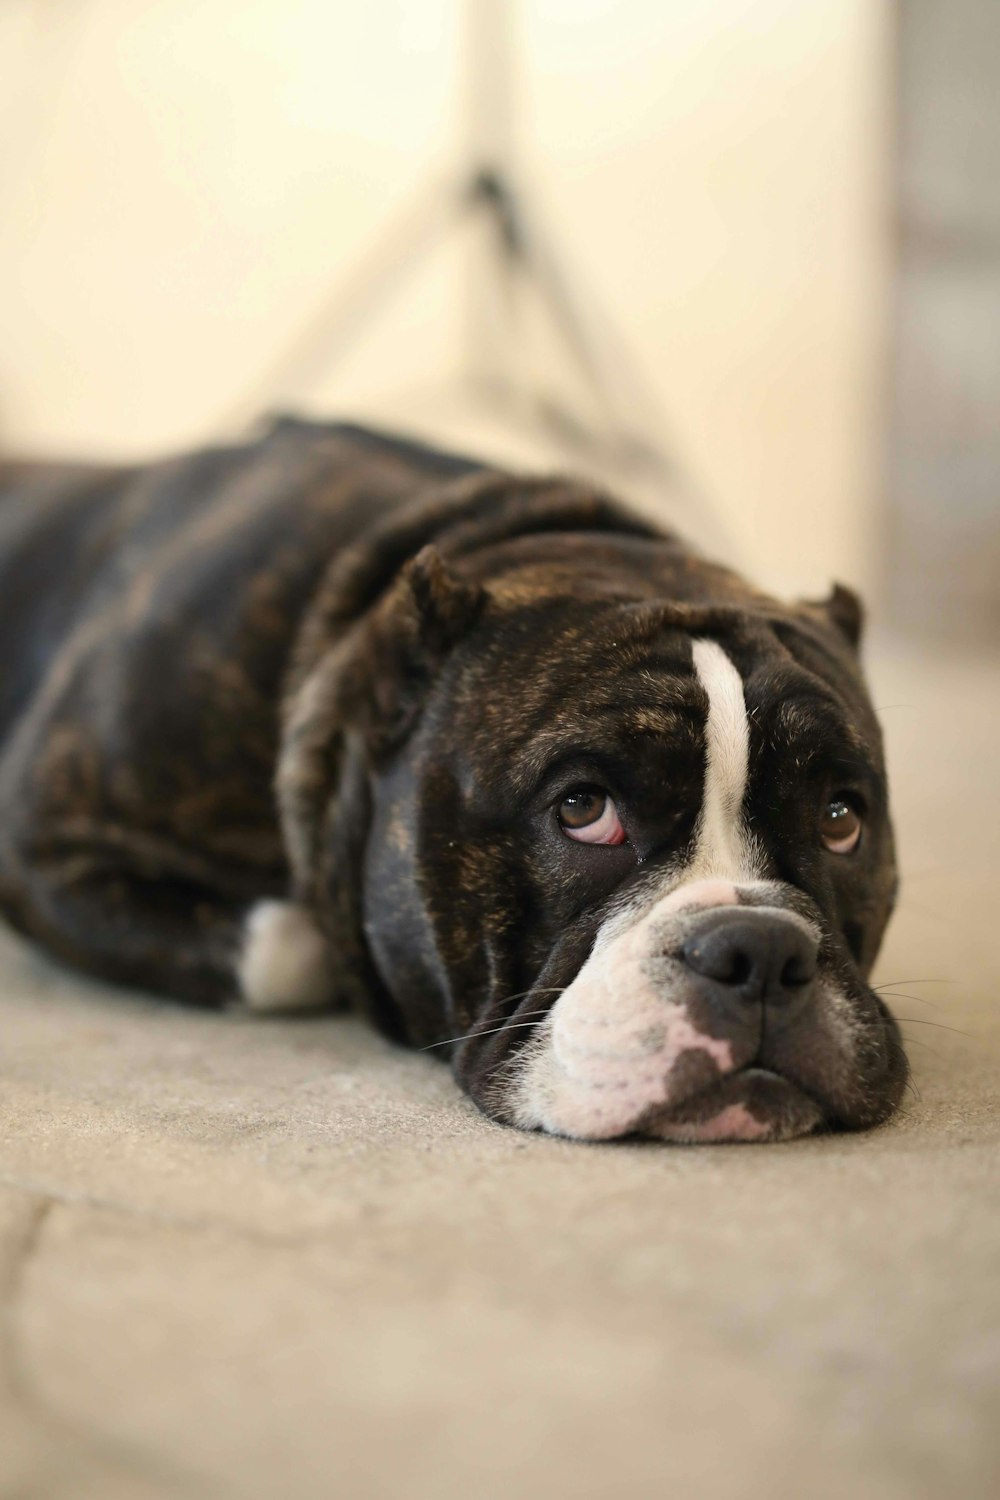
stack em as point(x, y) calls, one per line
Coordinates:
point(605, 822)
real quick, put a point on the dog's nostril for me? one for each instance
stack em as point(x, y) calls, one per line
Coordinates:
point(739, 970)
point(799, 970)
point(720, 961)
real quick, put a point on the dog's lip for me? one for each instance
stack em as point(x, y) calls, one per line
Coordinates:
point(763, 1092)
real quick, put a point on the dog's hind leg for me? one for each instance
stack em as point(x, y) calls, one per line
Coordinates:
point(136, 912)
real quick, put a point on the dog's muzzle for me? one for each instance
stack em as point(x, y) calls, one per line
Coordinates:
point(687, 1022)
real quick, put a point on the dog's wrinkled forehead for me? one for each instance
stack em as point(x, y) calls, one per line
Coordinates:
point(544, 686)
point(656, 702)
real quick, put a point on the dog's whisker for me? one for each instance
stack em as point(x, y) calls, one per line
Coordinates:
point(536, 989)
point(939, 1025)
point(912, 1087)
point(542, 989)
point(916, 1041)
point(905, 995)
point(895, 983)
point(470, 1035)
point(497, 1025)
point(892, 987)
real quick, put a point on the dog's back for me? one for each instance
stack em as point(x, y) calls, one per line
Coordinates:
point(189, 533)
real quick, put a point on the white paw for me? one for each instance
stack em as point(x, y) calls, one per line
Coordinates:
point(286, 962)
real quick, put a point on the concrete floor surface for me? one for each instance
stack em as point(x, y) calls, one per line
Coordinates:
point(249, 1258)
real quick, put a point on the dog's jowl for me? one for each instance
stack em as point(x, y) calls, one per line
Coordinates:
point(329, 717)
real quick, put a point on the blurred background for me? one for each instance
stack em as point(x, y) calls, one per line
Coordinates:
point(779, 219)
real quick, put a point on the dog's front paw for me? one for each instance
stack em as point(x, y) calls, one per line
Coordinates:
point(285, 963)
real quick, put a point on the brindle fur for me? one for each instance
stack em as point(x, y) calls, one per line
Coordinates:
point(180, 639)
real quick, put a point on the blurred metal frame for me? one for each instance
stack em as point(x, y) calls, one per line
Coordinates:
point(613, 429)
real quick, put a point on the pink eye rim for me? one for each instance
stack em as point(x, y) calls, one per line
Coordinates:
point(840, 830)
point(604, 827)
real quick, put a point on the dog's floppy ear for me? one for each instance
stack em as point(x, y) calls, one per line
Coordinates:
point(844, 611)
point(359, 698)
point(445, 607)
point(411, 632)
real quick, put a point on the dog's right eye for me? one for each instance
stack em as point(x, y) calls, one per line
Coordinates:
point(588, 815)
point(840, 826)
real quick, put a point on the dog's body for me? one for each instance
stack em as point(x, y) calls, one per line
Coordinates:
point(552, 792)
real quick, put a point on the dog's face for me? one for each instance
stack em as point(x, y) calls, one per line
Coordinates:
point(637, 861)
point(601, 820)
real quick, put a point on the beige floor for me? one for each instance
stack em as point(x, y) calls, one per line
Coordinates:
point(262, 1259)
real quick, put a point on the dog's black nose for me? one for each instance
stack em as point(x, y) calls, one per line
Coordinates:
point(751, 956)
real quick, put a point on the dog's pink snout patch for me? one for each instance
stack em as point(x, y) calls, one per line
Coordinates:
point(616, 1038)
point(734, 1123)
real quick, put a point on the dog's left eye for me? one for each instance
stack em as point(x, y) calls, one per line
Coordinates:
point(588, 815)
point(840, 826)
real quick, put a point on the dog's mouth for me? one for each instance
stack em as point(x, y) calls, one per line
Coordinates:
point(638, 1046)
point(753, 1104)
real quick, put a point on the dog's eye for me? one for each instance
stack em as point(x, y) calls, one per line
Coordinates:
point(588, 815)
point(840, 826)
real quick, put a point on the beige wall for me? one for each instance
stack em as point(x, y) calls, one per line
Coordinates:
point(184, 181)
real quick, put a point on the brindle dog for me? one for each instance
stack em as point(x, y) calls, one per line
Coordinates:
point(329, 717)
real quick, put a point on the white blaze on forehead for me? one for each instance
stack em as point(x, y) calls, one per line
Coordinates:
point(723, 849)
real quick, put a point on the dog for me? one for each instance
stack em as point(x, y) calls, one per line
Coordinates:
point(330, 718)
